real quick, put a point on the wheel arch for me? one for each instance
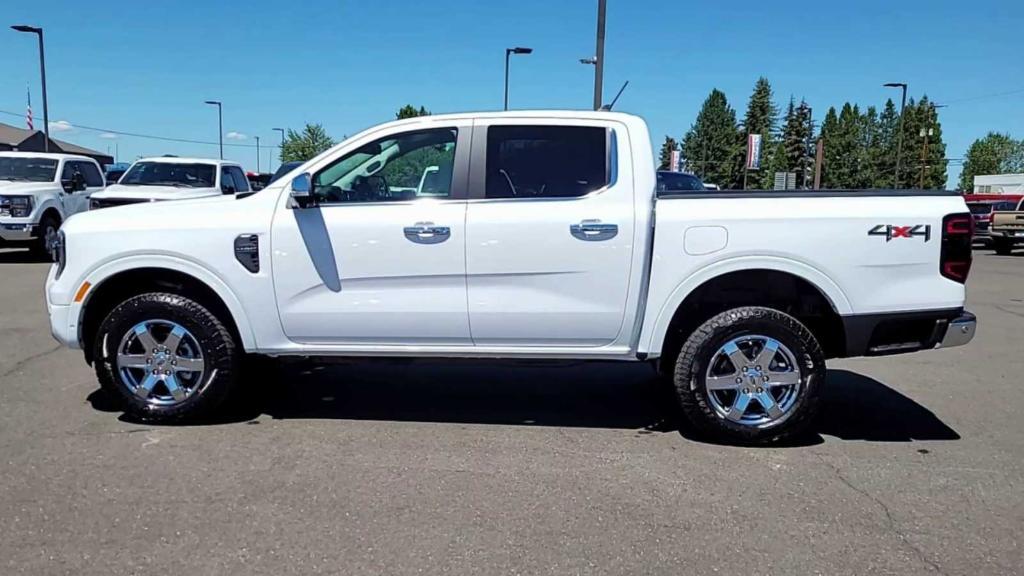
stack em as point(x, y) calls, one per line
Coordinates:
point(121, 280)
point(793, 287)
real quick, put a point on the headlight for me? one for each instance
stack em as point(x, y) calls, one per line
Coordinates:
point(59, 253)
point(16, 206)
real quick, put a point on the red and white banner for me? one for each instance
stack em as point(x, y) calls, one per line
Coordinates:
point(754, 152)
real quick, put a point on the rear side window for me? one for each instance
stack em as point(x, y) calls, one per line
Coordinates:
point(546, 161)
point(241, 182)
point(227, 183)
point(678, 182)
point(91, 173)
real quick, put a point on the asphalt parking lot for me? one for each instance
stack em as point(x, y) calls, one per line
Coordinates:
point(915, 468)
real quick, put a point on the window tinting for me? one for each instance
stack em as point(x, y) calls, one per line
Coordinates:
point(678, 182)
point(227, 182)
point(401, 167)
point(241, 182)
point(169, 174)
point(546, 161)
point(93, 179)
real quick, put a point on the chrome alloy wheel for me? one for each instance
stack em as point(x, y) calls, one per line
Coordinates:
point(753, 380)
point(160, 362)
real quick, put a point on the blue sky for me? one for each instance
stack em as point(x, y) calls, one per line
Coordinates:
point(147, 67)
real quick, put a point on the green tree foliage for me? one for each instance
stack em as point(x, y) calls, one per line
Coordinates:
point(410, 111)
point(994, 154)
point(665, 158)
point(831, 160)
point(762, 118)
point(796, 135)
point(924, 151)
point(301, 146)
point(710, 146)
point(883, 153)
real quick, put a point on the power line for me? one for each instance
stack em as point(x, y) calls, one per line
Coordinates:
point(150, 136)
point(982, 97)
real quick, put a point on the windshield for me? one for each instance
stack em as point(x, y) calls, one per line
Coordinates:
point(676, 181)
point(983, 208)
point(284, 169)
point(169, 174)
point(27, 169)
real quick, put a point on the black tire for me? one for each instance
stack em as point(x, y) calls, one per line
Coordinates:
point(701, 348)
point(45, 233)
point(1002, 247)
point(219, 351)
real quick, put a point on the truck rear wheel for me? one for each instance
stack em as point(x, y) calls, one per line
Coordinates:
point(750, 375)
point(1002, 247)
point(166, 357)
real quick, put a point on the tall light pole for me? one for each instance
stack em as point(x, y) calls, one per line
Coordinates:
point(599, 55)
point(509, 52)
point(42, 72)
point(281, 151)
point(899, 139)
point(257, 154)
point(220, 124)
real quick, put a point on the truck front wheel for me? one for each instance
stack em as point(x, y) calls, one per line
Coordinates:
point(1002, 246)
point(166, 357)
point(750, 375)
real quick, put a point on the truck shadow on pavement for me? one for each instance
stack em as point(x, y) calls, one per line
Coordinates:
point(596, 395)
point(21, 257)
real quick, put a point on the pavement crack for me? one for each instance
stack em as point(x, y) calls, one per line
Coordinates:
point(21, 363)
point(1009, 311)
point(890, 521)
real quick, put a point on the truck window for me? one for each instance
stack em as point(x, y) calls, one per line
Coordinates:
point(93, 179)
point(546, 161)
point(241, 182)
point(391, 169)
point(227, 182)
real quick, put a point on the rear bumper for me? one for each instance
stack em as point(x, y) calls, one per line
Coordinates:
point(903, 332)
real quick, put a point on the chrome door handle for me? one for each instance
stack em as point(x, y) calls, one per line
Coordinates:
point(427, 233)
point(594, 230)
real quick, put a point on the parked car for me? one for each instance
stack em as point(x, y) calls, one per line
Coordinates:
point(538, 243)
point(1007, 229)
point(38, 192)
point(982, 213)
point(113, 172)
point(283, 169)
point(679, 182)
point(173, 178)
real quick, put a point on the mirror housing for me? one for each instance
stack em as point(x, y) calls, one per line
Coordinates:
point(301, 191)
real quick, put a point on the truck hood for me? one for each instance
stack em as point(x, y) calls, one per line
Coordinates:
point(14, 188)
point(153, 193)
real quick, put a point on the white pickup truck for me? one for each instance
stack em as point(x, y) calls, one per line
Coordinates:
point(173, 178)
point(38, 191)
point(542, 238)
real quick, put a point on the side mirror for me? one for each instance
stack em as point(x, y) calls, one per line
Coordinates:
point(68, 186)
point(301, 191)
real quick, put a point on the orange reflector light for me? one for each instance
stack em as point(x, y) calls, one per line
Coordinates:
point(81, 292)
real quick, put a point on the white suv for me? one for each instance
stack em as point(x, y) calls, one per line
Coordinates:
point(173, 178)
point(38, 192)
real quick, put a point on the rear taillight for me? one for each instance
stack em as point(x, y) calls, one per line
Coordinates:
point(955, 256)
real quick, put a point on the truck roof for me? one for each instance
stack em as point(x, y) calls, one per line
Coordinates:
point(50, 155)
point(556, 114)
point(187, 160)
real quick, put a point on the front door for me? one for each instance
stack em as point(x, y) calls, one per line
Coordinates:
point(379, 258)
point(549, 234)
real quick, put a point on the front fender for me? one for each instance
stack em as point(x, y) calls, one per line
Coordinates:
point(97, 275)
point(657, 323)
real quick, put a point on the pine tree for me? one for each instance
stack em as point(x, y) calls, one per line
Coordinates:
point(665, 158)
point(301, 146)
point(796, 134)
point(924, 151)
point(710, 146)
point(884, 150)
point(761, 118)
point(410, 111)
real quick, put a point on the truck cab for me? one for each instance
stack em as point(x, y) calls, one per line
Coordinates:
point(173, 178)
point(39, 191)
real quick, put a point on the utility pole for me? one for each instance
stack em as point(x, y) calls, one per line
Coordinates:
point(220, 124)
point(819, 157)
point(599, 55)
point(257, 154)
point(899, 139)
point(925, 133)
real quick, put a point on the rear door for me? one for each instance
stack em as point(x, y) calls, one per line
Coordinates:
point(549, 232)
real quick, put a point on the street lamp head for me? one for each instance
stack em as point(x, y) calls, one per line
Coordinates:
point(24, 28)
point(214, 102)
point(592, 60)
point(895, 85)
point(520, 50)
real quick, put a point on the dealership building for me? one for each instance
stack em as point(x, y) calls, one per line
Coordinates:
point(999, 184)
point(14, 139)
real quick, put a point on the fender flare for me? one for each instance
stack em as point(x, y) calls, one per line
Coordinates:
point(50, 203)
point(100, 273)
point(829, 288)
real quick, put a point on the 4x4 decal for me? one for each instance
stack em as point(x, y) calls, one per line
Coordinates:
point(890, 231)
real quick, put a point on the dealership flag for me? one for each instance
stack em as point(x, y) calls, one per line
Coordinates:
point(754, 152)
point(28, 109)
